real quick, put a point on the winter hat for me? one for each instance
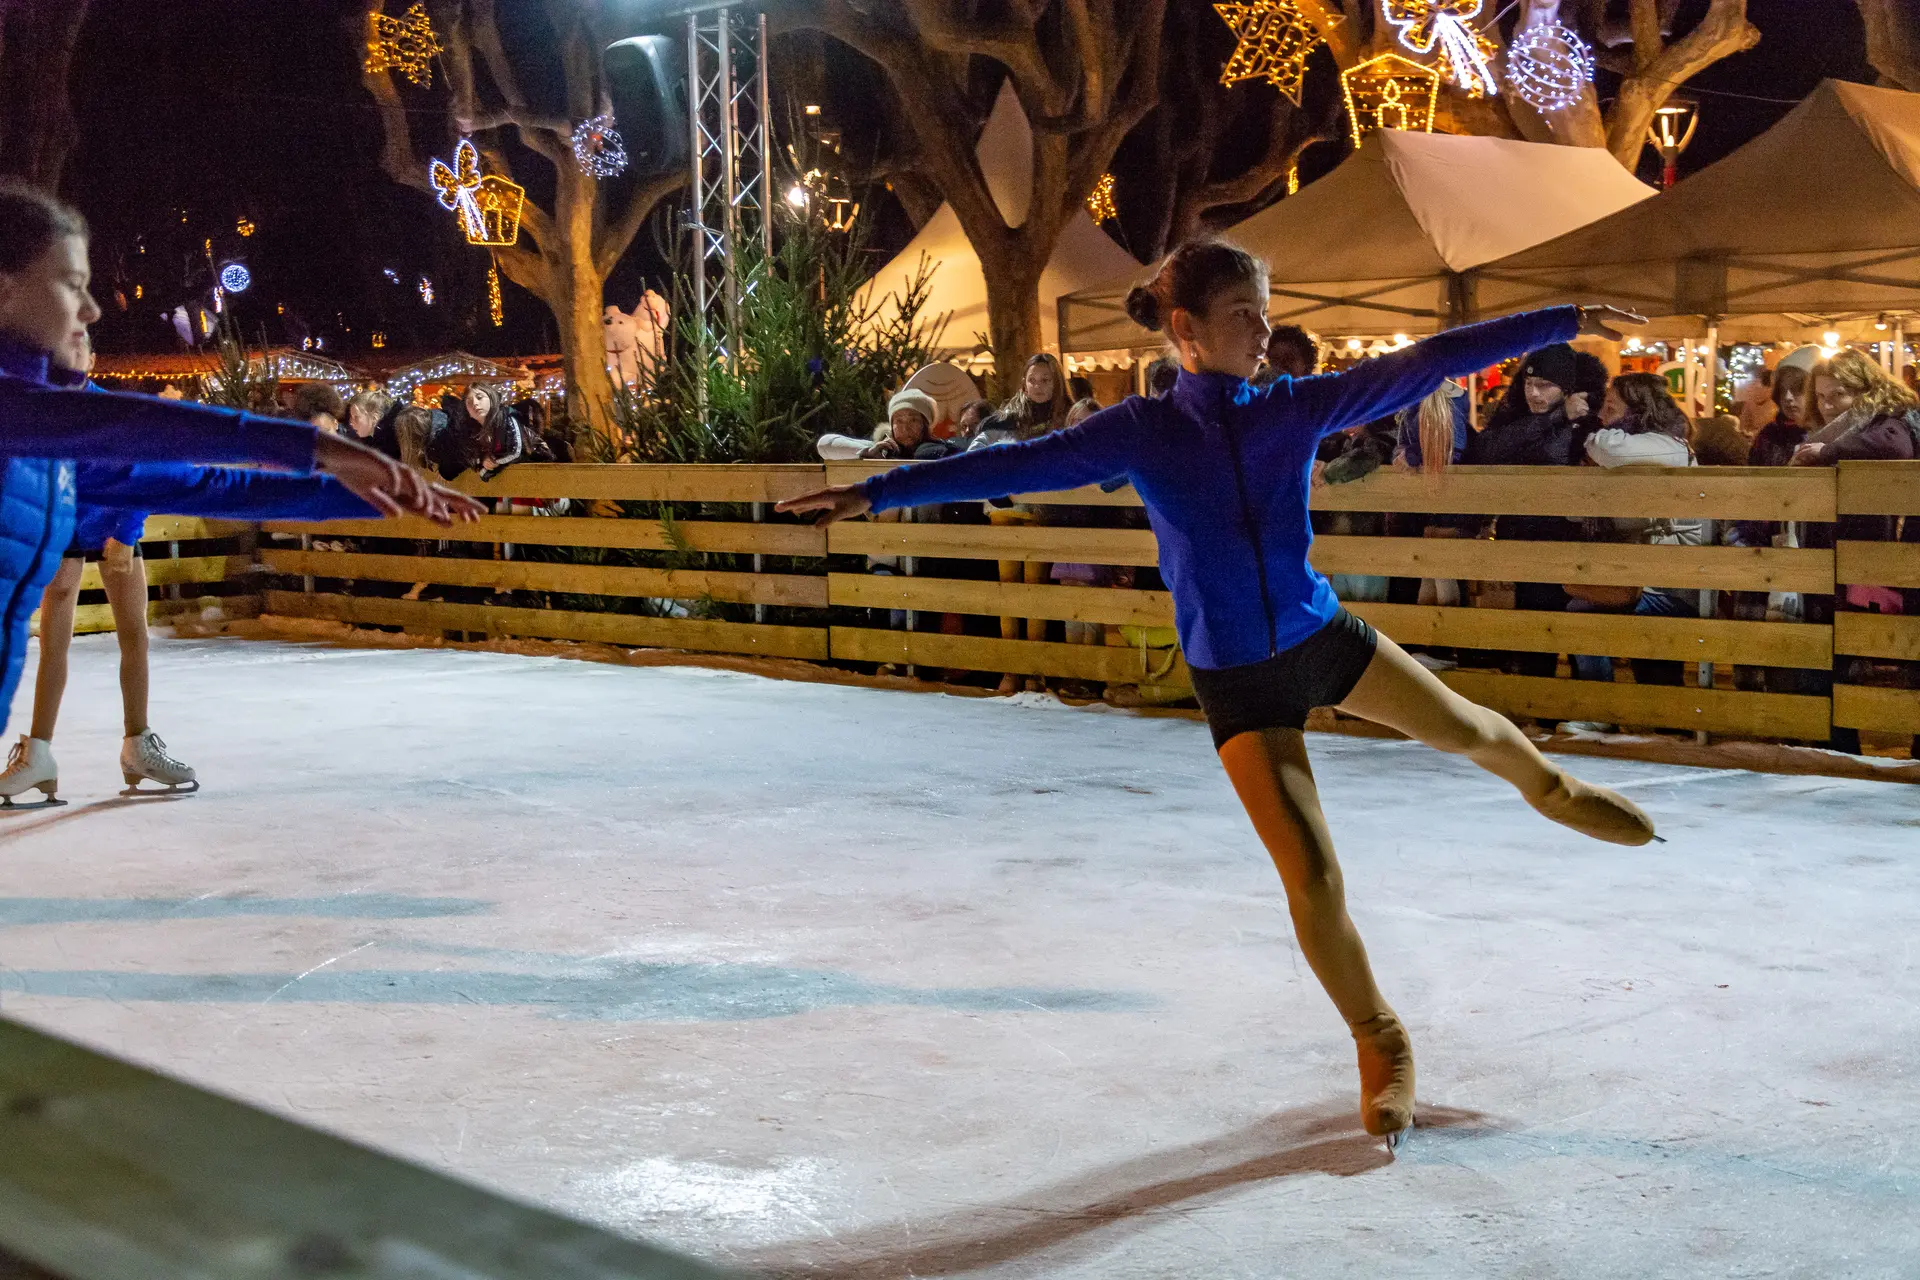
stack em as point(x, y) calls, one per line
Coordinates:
point(1557, 364)
point(918, 401)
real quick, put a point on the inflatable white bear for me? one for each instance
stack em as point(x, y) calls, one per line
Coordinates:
point(637, 343)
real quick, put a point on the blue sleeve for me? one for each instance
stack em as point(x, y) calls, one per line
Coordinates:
point(1386, 384)
point(225, 492)
point(1098, 449)
point(115, 426)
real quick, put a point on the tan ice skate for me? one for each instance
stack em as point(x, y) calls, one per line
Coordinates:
point(1386, 1078)
point(1595, 811)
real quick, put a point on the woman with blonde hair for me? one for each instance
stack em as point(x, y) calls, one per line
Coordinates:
point(1863, 414)
point(1039, 406)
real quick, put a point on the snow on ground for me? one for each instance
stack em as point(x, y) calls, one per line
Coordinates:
point(830, 981)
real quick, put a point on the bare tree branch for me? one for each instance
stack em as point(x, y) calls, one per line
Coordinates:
point(1661, 66)
point(1893, 41)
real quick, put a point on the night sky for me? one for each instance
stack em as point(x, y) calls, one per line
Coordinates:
point(218, 109)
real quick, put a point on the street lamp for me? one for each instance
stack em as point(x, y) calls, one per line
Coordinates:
point(1671, 132)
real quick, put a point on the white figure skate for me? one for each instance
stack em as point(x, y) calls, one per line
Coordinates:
point(145, 759)
point(30, 766)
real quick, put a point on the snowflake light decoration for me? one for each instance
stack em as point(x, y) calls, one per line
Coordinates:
point(405, 44)
point(598, 148)
point(1550, 67)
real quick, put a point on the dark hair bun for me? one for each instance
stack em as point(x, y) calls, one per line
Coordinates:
point(1144, 308)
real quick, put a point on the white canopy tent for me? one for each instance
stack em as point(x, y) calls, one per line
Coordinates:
point(1084, 255)
point(1387, 242)
point(1813, 226)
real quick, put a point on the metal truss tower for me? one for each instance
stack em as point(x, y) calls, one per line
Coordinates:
point(731, 135)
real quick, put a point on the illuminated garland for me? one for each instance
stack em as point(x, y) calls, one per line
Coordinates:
point(1550, 67)
point(598, 148)
point(1440, 28)
point(1389, 92)
point(405, 44)
point(496, 305)
point(1275, 39)
point(426, 291)
point(488, 204)
point(244, 227)
point(1100, 202)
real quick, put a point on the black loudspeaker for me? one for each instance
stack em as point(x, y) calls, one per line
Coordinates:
point(647, 80)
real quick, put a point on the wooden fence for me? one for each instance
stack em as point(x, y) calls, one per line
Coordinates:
point(191, 564)
point(802, 592)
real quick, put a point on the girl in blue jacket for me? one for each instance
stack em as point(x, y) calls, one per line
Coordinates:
point(48, 420)
point(1224, 468)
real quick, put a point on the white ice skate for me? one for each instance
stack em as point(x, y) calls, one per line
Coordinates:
point(29, 766)
point(145, 759)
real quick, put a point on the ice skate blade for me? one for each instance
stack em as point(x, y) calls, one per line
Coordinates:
point(135, 791)
point(8, 806)
point(1395, 1141)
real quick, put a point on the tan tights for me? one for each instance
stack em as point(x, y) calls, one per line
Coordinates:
point(126, 587)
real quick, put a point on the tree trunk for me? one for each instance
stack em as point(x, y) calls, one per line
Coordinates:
point(1893, 41)
point(1660, 67)
point(1013, 313)
point(37, 130)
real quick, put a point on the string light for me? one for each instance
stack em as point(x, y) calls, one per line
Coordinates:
point(404, 383)
point(1389, 92)
point(235, 278)
point(393, 277)
point(244, 227)
point(1100, 202)
point(1293, 178)
point(405, 44)
point(1550, 67)
point(496, 305)
point(1275, 39)
point(598, 148)
point(377, 339)
point(1440, 27)
point(426, 291)
point(488, 204)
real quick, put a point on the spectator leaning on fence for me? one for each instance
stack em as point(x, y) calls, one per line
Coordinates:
point(318, 404)
point(1642, 426)
point(1868, 416)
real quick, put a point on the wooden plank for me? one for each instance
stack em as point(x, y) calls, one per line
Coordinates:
point(97, 619)
point(1878, 564)
point(1107, 663)
point(109, 1171)
point(189, 529)
point(738, 537)
point(1720, 493)
point(1002, 599)
point(1600, 563)
point(530, 575)
point(1879, 488)
point(621, 629)
point(719, 482)
point(988, 542)
point(1880, 710)
point(165, 572)
point(1617, 635)
point(1087, 496)
point(1877, 635)
point(1760, 715)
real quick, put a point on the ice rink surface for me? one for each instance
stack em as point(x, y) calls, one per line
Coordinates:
point(816, 980)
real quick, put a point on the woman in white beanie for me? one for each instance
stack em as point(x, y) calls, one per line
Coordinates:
point(908, 433)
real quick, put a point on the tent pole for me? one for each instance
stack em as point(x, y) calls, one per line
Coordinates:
point(1713, 368)
point(1899, 351)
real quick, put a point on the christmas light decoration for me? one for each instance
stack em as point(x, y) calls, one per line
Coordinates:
point(405, 44)
point(1293, 178)
point(235, 278)
point(377, 339)
point(393, 277)
point(1389, 92)
point(598, 148)
point(496, 305)
point(426, 291)
point(488, 204)
point(1440, 28)
point(1275, 39)
point(1100, 202)
point(1549, 67)
point(244, 227)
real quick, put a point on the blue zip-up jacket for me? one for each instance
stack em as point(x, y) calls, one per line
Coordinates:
point(1224, 470)
point(48, 418)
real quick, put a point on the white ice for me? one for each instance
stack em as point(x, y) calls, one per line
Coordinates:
point(817, 980)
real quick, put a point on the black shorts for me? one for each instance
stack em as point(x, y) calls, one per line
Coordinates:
point(1277, 692)
point(92, 555)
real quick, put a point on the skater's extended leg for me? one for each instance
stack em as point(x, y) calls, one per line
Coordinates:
point(125, 579)
point(56, 639)
point(1271, 774)
point(1398, 692)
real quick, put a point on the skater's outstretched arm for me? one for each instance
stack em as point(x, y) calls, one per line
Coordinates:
point(1387, 384)
point(38, 421)
point(1098, 449)
point(229, 492)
